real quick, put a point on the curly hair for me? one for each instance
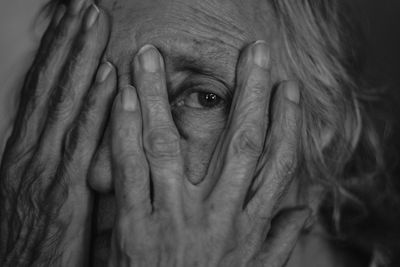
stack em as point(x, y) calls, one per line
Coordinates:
point(341, 144)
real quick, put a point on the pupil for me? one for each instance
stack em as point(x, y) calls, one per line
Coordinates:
point(211, 97)
point(208, 99)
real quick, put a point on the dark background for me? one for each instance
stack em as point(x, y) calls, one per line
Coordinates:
point(381, 23)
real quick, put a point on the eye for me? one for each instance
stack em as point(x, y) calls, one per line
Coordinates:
point(203, 100)
point(199, 93)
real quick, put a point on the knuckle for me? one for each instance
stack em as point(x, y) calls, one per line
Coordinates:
point(162, 142)
point(157, 105)
point(257, 87)
point(248, 140)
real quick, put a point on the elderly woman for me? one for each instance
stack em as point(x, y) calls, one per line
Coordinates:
point(188, 133)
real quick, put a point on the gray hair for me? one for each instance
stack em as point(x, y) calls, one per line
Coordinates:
point(341, 147)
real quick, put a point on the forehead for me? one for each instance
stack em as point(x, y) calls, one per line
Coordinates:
point(206, 31)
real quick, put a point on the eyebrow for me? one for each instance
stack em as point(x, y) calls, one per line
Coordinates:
point(220, 66)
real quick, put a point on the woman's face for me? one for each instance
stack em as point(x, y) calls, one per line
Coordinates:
point(200, 42)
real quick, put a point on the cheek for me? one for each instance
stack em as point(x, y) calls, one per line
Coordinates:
point(200, 132)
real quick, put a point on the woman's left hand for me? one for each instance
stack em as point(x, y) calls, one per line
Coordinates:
point(228, 219)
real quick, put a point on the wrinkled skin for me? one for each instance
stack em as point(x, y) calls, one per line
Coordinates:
point(201, 43)
point(45, 202)
point(197, 154)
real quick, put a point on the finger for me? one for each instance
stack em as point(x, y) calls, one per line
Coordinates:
point(75, 81)
point(279, 163)
point(285, 231)
point(51, 31)
point(81, 142)
point(67, 188)
point(247, 126)
point(100, 173)
point(60, 16)
point(129, 166)
point(160, 136)
point(44, 73)
point(100, 178)
point(42, 77)
point(84, 137)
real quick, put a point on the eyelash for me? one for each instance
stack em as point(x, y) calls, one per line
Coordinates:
point(197, 99)
point(195, 92)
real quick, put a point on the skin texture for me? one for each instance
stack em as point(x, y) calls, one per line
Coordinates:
point(202, 225)
point(201, 43)
point(194, 184)
point(46, 204)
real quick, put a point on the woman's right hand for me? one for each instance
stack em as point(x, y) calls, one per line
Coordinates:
point(229, 218)
point(45, 203)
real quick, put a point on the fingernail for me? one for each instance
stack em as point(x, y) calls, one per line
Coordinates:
point(59, 14)
point(129, 99)
point(76, 6)
point(149, 58)
point(91, 16)
point(292, 92)
point(103, 72)
point(261, 56)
